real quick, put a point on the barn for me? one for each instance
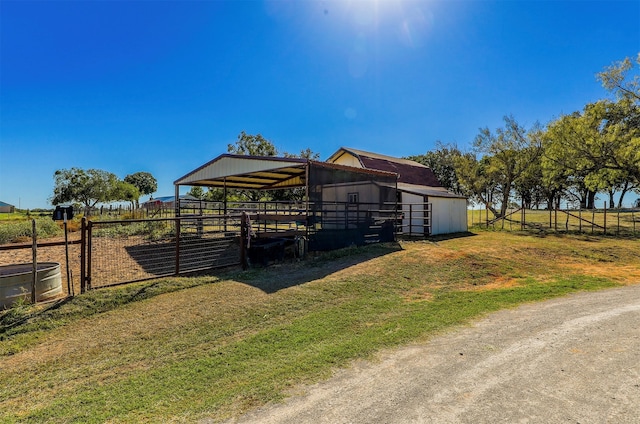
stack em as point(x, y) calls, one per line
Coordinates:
point(427, 207)
point(355, 197)
point(6, 208)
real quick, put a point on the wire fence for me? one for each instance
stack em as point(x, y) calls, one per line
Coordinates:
point(125, 251)
point(619, 222)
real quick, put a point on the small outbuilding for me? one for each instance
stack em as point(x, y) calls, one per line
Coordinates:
point(427, 207)
point(6, 208)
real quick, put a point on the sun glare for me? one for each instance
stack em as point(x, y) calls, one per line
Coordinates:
point(409, 21)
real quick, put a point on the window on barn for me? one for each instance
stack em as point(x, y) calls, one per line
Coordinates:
point(353, 197)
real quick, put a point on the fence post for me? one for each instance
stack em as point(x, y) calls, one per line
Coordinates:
point(243, 240)
point(34, 253)
point(580, 219)
point(66, 256)
point(83, 254)
point(486, 214)
point(89, 255)
point(605, 218)
point(177, 224)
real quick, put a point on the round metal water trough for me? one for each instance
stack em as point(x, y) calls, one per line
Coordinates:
point(15, 282)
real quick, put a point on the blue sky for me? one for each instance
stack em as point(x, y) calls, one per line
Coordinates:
point(164, 86)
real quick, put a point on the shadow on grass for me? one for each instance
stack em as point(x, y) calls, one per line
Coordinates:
point(452, 236)
point(290, 273)
point(158, 258)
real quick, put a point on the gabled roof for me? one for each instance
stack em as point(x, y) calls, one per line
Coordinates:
point(410, 172)
point(3, 204)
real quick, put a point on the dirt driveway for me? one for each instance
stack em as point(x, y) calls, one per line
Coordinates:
point(570, 360)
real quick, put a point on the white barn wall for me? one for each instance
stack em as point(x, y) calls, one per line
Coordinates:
point(448, 215)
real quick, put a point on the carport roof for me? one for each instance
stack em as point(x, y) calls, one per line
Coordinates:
point(247, 172)
point(257, 172)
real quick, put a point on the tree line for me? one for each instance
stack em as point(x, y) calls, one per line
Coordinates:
point(571, 159)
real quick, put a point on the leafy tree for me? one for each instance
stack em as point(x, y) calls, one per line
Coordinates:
point(305, 154)
point(88, 187)
point(619, 78)
point(252, 145)
point(197, 192)
point(476, 181)
point(144, 181)
point(126, 192)
point(597, 149)
point(507, 155)
point(442, 162)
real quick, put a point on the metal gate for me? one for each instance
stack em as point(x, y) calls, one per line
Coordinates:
point(118, 252)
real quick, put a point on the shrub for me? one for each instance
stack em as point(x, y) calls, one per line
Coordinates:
point(13, 231)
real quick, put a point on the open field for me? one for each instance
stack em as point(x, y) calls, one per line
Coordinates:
point(215, 346)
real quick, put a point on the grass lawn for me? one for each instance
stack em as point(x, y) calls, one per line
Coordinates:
point(215, 346)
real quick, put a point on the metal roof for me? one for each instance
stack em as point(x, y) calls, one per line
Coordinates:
point(258, 172)
point(428, 191)
point(425, 190)
point(408, 171)
point(361, 153)
point(247, 172)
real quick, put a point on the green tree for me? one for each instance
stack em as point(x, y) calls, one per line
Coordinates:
point(623, 78)
point(597, 149)
point(507, 156)
point(442, 162)
point(87, 187)
point(476, 181)
point(252, 145)
point(305, 154)
point(144, 181)
point(126, 192)
point(197, 192)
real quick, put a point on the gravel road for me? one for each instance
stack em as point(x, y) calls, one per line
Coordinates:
point(575, 359)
